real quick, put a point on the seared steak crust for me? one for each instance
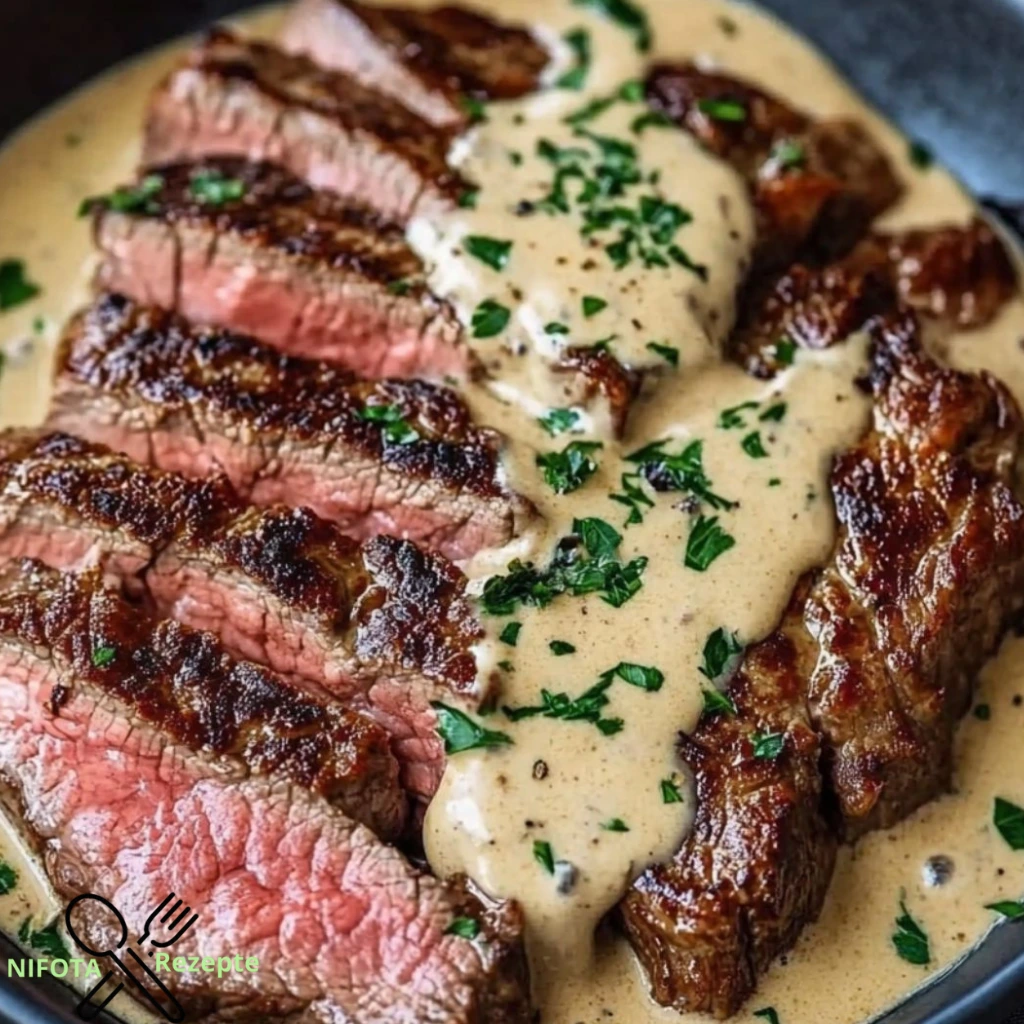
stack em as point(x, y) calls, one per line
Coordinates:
point(430, 60)
point(383, 626)
point(816, 185)
point(285, 430)
point(181, 681)
point(302, 270)
point(868, 674)
point(344, 927)
point(232, 97)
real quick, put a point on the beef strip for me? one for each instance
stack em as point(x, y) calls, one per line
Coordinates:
point(868, 674)
point(431, 60)
point(182, 681)
point(816, 185)
point(381, 626)
point(232, 97)
point(399, 457)
point(301, 270)
point(110, 769)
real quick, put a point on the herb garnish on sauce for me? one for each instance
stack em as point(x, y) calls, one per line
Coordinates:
point(461, 733)
point(910, 939)
point(15, 287)
point(1008, 818)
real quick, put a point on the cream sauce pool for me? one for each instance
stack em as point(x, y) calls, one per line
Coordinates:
point(564, 815)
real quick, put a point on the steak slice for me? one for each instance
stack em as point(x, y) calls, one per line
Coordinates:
point(232, 97)
point(181, 681)
point(398, 457)
point(301, 270)
point(119, 806)
point(431, 60)
point(871, 668)
point(382, 626)
point(817, 185)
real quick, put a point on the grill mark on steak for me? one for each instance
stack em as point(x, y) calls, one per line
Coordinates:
point(343, 926)
point(382, 626)
point(818, 206)
point(284, 430)
point(233, 97)
point(302, 270)
point(181, 681)
point(429, 60)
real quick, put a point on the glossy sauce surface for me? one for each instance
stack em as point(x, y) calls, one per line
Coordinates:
point(564, 782)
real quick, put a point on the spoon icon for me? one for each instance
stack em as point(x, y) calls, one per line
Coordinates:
point(90, 1007)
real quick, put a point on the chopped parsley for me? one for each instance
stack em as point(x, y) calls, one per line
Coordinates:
point(489, 319)
point(1008, 818)
point(1008, 908)
point(140, 198)
point(774, 413)
point(588, 707)
point(754, 446)
point(728, 110)
point(569, 572)
point(394, 428)
point(768, 745)
point(461, 733)
point(8, 878)
point(910, 940)
point(103, 656)
point(474, 108)
point(716, 702)
point(568, 470)
point(400, 286)
point(579, 41)
point(464, 928)
point(544, 855)
point(558, 421)
point(788, 155)
point(667, 352)
point(720, 649)
point(643, 676)
point(730, 418)
point(468, 199)
point(560, 648)
point(706, 542)
point(510, 634)
point(650, 119)
point(670, 792)
point(784, 351)
point(215, 189)
point(46, 940)
point(769, 1013)
point(633, 497)
point(592, 305)
point(681, 472)
point(15, 287)
point(625, 13)
point(983, 712)
point(614, 825)
point(555, 328)
point(920, 155)
point(495, 252)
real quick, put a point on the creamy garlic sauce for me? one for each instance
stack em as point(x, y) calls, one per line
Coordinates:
point(561, 780)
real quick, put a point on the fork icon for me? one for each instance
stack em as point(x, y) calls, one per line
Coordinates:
point(174, 928)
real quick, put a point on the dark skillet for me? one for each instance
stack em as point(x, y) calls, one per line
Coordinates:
point(948, 71)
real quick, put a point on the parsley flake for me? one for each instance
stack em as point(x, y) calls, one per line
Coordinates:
point(768, 746)
point(461, 733)
point(728, 110)
point(560, 648)
point(1010, 910)
point(489, 319)
point(720, 651)
point(774, 413)
point(1008, 818)
point(614, 825)
point(592, 305)
point(214, 189)
point(103, 656)
point(510, 634)
point(626, 14)
point(464, 928)
point(920, 155)
point(579, 42)
point(670, 792)
point(568, 470)
point(910, 940)
point(494, 252)
point(558, 421)
point(706, 542)
point(394, 428)
point(667, 352)
point(544, 855)
point(46, 940)
point(754, 446)
point(769, 1013)
point(140, 198)
point(8, 878)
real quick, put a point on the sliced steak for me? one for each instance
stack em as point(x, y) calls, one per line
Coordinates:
point(118, 784)
point(817, 185)
point(868, 674)
point(381, 626)
point(375, 457)
point(232, 97)
point(181, 681)
point(431, 60)
point(301, 270)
